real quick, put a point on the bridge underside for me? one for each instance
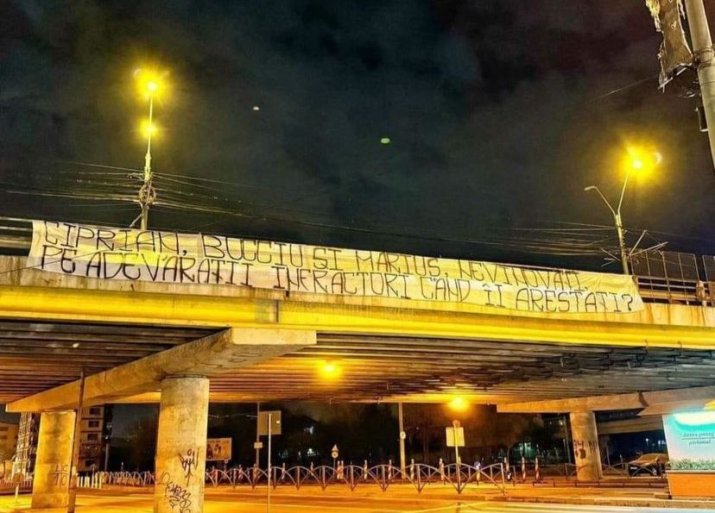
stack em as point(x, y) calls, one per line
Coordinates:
point(390, 368)
point(36, 356)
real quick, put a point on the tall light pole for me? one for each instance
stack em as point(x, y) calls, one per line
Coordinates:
point(618, 221)
point(150, 84)
point(403, 456)
point(638, 161)
point(705, 59)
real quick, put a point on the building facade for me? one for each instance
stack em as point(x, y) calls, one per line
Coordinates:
point(8, 442)
point(94, 438)
point(26, 443)
point(95, 429)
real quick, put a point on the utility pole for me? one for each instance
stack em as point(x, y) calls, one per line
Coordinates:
point(257, 445)
point(147, 193)
point(704, 56)
point(639, 161)
point(618, 222)
point(76, 444)
point(150, 85)
point(403, 458)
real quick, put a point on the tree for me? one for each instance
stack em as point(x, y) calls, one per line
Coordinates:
point(487, 433)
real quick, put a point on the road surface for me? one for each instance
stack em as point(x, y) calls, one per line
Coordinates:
point(313, 500)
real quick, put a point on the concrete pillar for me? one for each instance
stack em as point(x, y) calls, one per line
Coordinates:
point(50, 486)
point(585, 446)
point(181, 445)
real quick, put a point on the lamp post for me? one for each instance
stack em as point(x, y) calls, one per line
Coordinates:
point(147, 192)
point(150, 84)
point(638, 162)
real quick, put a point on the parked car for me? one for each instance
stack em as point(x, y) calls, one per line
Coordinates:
point(652, 463)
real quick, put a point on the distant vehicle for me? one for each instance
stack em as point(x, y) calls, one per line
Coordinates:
point(652, 463)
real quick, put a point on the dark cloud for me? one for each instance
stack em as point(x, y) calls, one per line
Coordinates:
point(495, 110)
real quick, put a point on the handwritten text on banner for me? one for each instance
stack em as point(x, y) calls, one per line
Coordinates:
point(170, 257)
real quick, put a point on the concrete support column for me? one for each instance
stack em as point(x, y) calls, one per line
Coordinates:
point(585, 446)
point(53, 465)
point(181, 445)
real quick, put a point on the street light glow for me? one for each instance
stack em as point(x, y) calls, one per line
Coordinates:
point(148, 129)
point(330, 370)
point(149, 82)
point(641, 160)
point(458, 404)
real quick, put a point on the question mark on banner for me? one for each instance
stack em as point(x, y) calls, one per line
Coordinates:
point(629, 300)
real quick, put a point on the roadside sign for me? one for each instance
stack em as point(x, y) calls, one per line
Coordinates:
point(455, 436)
point(275, 416)
point(218, 449)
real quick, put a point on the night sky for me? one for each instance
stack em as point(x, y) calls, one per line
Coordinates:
point(498, 114)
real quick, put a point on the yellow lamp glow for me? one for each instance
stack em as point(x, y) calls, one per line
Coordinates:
point(641, 160)
point(148, 129)
point(458, 404)
point(149, 82)
point(330, 370)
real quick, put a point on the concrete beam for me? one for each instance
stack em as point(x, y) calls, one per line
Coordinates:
point(666, 408)
point(685, 396)
point(216, 354)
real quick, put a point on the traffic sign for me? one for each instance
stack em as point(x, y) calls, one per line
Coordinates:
point(403, 435)
point(334, 453)
point(455, 436)
point(275, 422)
point(258, 445)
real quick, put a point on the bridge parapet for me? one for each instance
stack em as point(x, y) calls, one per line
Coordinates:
point(26, 290)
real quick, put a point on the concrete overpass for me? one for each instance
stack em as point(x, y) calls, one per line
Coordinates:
point(185, 345)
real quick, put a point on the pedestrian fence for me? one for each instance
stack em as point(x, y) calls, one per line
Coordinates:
point(420, 475)
point(351, 476)
point(23, 481)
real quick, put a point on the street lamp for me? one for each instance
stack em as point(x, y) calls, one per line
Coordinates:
point(458, 404)
point(638, 161)
point(330, 370)
point(150, 84)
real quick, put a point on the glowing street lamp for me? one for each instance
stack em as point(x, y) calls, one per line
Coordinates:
point(150, 84)
point(458, 404)
point(638, 161)
point(330, 371)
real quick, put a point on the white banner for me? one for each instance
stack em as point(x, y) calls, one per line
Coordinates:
point(170, 257)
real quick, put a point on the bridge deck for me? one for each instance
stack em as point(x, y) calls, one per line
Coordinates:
point(384, 350)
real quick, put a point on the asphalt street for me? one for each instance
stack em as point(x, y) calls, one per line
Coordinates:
point(314, 500)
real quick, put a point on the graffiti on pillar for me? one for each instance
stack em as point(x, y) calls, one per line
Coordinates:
point(60, 474)
point(582, 448)
point(179, 498)
point(189, 463)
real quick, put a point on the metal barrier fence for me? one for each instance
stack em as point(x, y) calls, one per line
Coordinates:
point(351, 476)
point(673, 277)
point(12, 482)
point(621, 470)
point(419, 475)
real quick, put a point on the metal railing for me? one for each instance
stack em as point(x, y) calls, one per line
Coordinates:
point(673, 277)
point(419, 475)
